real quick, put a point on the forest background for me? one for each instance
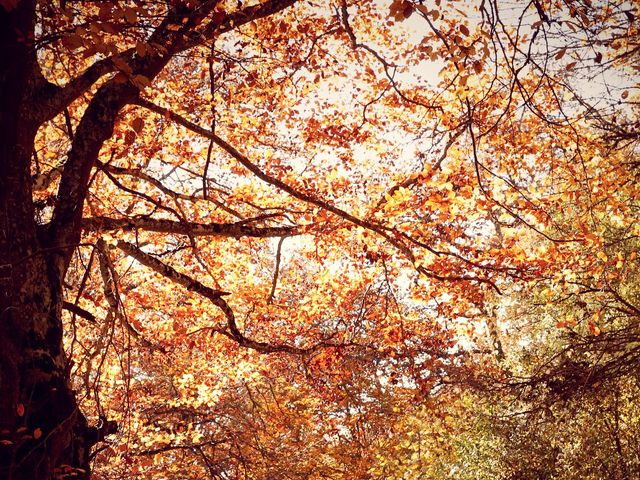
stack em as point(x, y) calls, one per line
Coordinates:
point(286, 239)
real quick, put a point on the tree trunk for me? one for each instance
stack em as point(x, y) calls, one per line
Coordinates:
point(38, 411)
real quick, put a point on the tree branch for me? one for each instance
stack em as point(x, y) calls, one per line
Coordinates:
point(215, 297)
point(240, 18)
point(234, 230)
point(169, 272)
point(110, 289)
point(63, 96)
point(392, 236)
point(81, 312)
point(276, 272)
point(265, 177)
point(142, 175)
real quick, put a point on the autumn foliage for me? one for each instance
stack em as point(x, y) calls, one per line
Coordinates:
point(360, 239)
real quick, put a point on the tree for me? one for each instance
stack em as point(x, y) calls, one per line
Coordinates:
point(83, 65)
point(36, 253)
point(186, 186)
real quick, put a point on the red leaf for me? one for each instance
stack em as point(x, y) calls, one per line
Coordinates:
point(217, 17)
point(561, 53)
point(137, 124)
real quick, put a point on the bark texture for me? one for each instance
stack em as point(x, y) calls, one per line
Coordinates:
point(42, 428)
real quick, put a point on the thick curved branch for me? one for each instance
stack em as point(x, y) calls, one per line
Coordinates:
point(241, 17)
point(95, 127)
point(234, 230)
point(62, 97)
point(93, 130)
point(215, 297)
point(169, 272)
point(163, 36)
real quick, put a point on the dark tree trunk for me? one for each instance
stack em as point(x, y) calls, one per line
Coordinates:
point(38, 411)
point(43, 434)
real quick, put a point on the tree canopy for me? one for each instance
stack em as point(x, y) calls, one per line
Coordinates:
point(309, 239)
